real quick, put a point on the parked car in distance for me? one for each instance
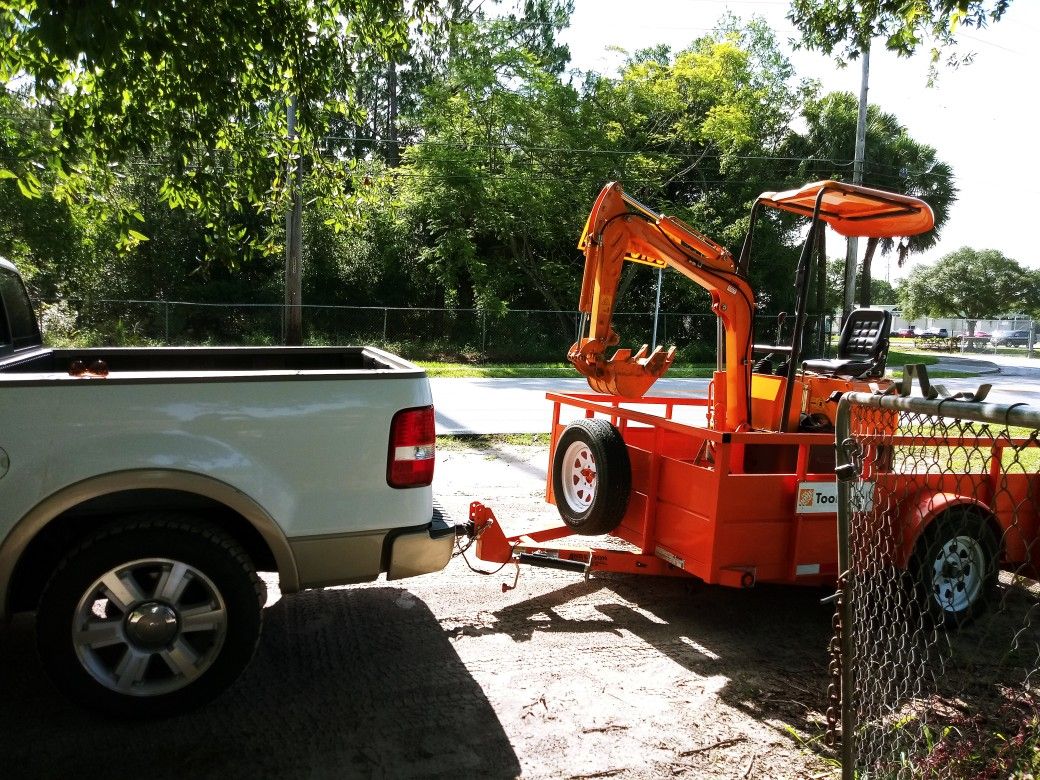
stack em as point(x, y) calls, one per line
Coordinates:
point(933, 333)
point(980, 334)
point(906, 333)
point(1010, 338)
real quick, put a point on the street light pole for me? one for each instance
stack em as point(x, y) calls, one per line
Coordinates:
point(657, 306)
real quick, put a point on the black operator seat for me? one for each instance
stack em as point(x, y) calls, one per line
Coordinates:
point(862, 348)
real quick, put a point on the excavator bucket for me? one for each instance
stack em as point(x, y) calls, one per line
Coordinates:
point(625, 374)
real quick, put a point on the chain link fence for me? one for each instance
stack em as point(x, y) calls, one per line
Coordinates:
point(418, 333)
point(937, 631)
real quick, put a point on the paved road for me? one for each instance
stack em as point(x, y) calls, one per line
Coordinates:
point(519, 405)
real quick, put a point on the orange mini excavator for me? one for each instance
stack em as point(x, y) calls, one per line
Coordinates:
point(620, 228)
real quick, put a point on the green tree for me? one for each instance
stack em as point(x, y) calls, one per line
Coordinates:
point(848, 27)
point(199, 89)
point(40, 234)
point(697, 134)
point(489, 200)
point(893, 160)
point(972, 284)
point(881, 292)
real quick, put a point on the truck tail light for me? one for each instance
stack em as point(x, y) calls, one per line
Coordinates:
point(412, 442)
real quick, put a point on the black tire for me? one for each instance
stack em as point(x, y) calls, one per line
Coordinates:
point(955, 567)
point(174, 623)
point(591, 448)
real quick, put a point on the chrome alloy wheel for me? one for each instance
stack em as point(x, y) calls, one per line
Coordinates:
point(957, 573)
point(579, 476)
point(149, 627)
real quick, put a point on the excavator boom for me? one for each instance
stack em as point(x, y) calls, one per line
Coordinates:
point(619, 228)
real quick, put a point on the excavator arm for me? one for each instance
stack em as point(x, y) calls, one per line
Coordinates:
point(619, 228)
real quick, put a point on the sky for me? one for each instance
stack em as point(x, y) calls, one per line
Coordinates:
point(983, 118)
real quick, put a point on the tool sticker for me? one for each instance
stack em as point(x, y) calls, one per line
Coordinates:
point(814, 498)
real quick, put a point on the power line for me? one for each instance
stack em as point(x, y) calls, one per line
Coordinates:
point(541, 170)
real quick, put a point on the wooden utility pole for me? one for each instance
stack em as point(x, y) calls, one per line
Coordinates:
point(857, 178)
point(393, 153)
point(292, 319)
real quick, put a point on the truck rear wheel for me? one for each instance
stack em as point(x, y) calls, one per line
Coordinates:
point(954, 566)
point(592, 476)
point(150, 617)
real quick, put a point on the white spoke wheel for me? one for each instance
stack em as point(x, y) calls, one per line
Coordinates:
point(150, 617)
point(591, 476)
point(579, 476)
point(955, 566)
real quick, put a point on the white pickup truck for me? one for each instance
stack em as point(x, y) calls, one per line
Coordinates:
point(142, 489)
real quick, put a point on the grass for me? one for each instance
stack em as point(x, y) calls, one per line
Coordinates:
point(898, 357)
point(563, 370)
point(537, 370)
point(484, 441)
point(897, 373)
point(968, 458)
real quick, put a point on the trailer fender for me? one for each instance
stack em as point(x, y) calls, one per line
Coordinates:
point(921, 511)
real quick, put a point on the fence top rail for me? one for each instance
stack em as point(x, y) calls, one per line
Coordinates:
point(1020, 414)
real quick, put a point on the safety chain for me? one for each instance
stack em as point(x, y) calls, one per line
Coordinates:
point(834, 689)
point(853, 452)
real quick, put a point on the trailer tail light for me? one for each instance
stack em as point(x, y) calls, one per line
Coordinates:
point(412, 442)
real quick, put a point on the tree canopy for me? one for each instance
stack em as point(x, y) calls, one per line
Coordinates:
point(450, 161)
point(847, 27)
point(971, 284)
point(893, 160)
point(199, 90)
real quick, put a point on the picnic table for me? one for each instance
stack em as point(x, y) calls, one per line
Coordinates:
point(937, 343)
point(973, 343)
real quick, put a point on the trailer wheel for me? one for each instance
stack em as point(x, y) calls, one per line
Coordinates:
point(954, 566)
point(592, 477)
point(150, 617)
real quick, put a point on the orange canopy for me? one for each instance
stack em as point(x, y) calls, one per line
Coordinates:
point(854, 210)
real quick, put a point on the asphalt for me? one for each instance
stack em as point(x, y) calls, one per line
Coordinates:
point(487, 406)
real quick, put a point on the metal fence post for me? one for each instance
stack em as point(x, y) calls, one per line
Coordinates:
point(166, 313)
point(846, 464)
point(385, 314)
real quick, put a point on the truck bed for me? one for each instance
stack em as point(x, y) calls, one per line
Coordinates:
point(169, 363)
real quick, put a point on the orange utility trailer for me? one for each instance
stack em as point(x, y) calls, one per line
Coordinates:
point(692, 507)
point(742, 489)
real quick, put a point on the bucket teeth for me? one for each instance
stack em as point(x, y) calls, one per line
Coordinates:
point(625, 374)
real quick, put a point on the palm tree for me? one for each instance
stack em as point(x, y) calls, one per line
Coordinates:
point(893, 160)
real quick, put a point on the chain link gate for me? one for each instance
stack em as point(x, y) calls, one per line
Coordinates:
point(937, 631)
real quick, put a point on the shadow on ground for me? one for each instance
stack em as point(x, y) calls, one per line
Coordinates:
point(770, 643)
point(346, 683)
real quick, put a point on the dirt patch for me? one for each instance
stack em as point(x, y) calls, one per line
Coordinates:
point(629, 676)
